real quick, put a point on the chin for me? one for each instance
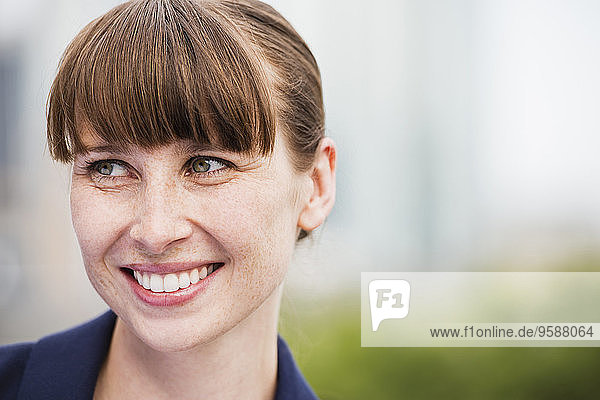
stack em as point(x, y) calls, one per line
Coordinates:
point(173, 344)
point(170, 336)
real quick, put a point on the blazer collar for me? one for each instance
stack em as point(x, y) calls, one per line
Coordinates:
point(66, 365)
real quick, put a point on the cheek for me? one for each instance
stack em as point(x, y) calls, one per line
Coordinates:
point(95, 221)
point(257, 227)
point(258, 236)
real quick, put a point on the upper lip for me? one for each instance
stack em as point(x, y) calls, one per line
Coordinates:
point(167, 268)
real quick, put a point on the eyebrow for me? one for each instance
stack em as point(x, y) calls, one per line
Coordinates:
point(109, 148)
point(187, 148)
point(196, 147)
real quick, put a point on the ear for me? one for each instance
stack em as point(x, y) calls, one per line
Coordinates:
point(323, 187)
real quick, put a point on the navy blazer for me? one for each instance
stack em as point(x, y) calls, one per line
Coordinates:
point(65, 365)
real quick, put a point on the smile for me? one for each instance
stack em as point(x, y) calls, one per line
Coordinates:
point(172, 282)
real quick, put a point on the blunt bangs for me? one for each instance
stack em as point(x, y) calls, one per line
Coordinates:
point(149, 73)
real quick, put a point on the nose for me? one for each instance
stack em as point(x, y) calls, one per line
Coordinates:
point(160, 223)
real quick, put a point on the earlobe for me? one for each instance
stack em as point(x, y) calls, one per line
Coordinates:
point(323, 187)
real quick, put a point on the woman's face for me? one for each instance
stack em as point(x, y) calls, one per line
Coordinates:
point(169, 216)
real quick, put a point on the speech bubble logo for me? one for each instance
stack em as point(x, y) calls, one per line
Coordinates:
point(389, 299)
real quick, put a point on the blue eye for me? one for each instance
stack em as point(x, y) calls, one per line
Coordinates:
point(110, 168)
point(205, 164)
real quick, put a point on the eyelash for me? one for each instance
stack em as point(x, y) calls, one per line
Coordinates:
point(226, 166)
point(92, 167)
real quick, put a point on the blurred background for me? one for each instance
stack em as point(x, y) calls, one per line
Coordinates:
point(468, 133)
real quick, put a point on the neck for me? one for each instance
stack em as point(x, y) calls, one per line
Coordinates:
point(242, 363)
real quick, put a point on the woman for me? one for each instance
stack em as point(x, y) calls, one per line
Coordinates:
point(195, 133)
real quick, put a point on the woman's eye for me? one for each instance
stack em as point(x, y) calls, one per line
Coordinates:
point(111, 168)
point(204, 165)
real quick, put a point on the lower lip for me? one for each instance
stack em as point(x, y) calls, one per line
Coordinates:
point(168, 299)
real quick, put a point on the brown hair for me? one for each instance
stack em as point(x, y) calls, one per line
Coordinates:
point(227, 73)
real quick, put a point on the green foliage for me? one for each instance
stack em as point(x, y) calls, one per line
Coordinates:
point(325, 339)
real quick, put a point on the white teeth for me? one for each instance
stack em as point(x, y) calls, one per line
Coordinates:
point(203, 273)
point(146, 280)
point(171, 283)
point(194, 277)
point(157, 284)
point(184, 280)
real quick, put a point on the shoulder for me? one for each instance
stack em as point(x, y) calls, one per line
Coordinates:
point(51, 365)
point(13, 359)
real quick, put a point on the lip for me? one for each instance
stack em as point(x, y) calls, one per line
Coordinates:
point(169, 299)
point(169, 268)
